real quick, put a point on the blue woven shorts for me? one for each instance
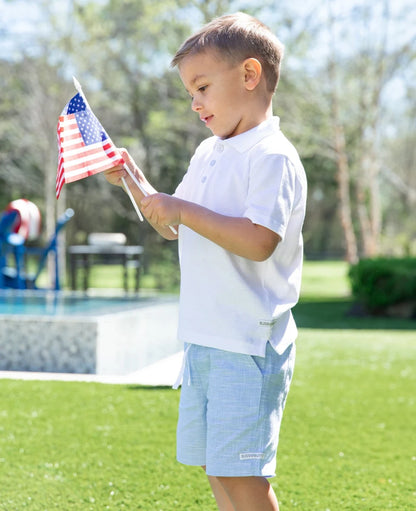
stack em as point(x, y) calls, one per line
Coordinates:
point(231, 408)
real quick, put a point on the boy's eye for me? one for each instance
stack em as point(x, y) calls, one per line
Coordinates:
point(203, 88)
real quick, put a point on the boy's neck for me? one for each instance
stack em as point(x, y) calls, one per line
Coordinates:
point(259, 103)
point(262, 114)
point(268, 114)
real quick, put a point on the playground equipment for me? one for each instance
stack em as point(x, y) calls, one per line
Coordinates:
point(20, 222)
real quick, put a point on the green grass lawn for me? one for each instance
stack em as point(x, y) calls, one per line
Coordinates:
point(347, 441)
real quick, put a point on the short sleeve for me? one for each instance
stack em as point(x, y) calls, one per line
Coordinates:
point(271, 192)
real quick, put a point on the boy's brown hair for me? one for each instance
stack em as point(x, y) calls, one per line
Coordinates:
point(237, 37)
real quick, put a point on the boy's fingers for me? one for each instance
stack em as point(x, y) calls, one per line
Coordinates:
point(127, 158)
point(115, 175)
point(115, 171)
point(145, 201)
point(123, 152)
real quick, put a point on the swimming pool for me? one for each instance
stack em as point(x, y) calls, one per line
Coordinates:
point(77, 333)
point(66, 304)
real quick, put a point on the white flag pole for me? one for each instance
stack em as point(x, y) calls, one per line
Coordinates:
point(126, 187)
point(136, 207)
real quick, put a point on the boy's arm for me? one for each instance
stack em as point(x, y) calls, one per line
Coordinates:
point(237, 235)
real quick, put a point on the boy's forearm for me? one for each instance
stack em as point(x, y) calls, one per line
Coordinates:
point(237, 235)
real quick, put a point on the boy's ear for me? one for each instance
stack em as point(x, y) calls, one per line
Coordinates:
point(252, 73)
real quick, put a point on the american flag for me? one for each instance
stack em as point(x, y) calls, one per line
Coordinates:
point(84, 147)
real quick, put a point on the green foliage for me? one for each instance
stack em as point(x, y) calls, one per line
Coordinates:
point(120, 52)
point(326, 302)
point(322, 235)
point(381, 282)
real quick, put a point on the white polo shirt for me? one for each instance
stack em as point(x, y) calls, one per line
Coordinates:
point(227, 301)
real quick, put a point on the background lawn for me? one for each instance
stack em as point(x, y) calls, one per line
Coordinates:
point(347, 440)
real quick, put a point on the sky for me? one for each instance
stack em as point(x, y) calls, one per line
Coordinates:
point(16, 22)
point(21, 20)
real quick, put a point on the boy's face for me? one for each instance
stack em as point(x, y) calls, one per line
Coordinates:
point(218, 91)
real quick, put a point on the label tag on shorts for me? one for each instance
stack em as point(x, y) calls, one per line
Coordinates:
point(251, 455)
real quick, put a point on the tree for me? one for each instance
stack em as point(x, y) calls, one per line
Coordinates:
point(340, 150)
point(347, 59)
point(379, 57)
point(334, 100)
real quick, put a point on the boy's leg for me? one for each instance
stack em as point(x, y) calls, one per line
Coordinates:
point(243, 493)
point(221, 497)
point(247, 493)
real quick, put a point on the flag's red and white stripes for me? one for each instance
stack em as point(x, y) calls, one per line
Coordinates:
point(78, 160)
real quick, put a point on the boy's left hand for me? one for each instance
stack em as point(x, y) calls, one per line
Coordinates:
point(162, 209)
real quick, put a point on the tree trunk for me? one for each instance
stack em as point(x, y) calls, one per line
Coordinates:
point(368, 204)
point(343, 180)
point(343, 171)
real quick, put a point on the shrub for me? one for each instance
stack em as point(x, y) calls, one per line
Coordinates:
point(380, 284)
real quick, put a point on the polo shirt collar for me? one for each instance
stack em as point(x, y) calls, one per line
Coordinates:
point(245, 141)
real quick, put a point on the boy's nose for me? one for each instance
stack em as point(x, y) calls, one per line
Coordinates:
point(195, 105)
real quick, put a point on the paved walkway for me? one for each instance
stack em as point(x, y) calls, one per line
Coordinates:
point(162, 373)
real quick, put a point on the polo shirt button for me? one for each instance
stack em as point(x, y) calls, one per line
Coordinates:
point(203, 179)
point(212, 162)
point(220, 148)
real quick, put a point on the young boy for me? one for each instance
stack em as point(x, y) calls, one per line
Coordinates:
point(239, 211)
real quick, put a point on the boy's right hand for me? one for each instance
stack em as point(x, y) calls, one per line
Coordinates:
point(115, 174)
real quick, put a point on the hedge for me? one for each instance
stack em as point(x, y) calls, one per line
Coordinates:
point(380, 283)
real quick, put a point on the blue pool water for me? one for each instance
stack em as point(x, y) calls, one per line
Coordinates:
point(59, 304)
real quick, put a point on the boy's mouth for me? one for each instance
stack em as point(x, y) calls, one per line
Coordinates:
point(206, 120)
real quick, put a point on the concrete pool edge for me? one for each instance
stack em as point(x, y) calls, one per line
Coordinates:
point(118, 343)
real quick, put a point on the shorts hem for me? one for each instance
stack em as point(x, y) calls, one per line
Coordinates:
point(190, 463)
point(250, 473)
